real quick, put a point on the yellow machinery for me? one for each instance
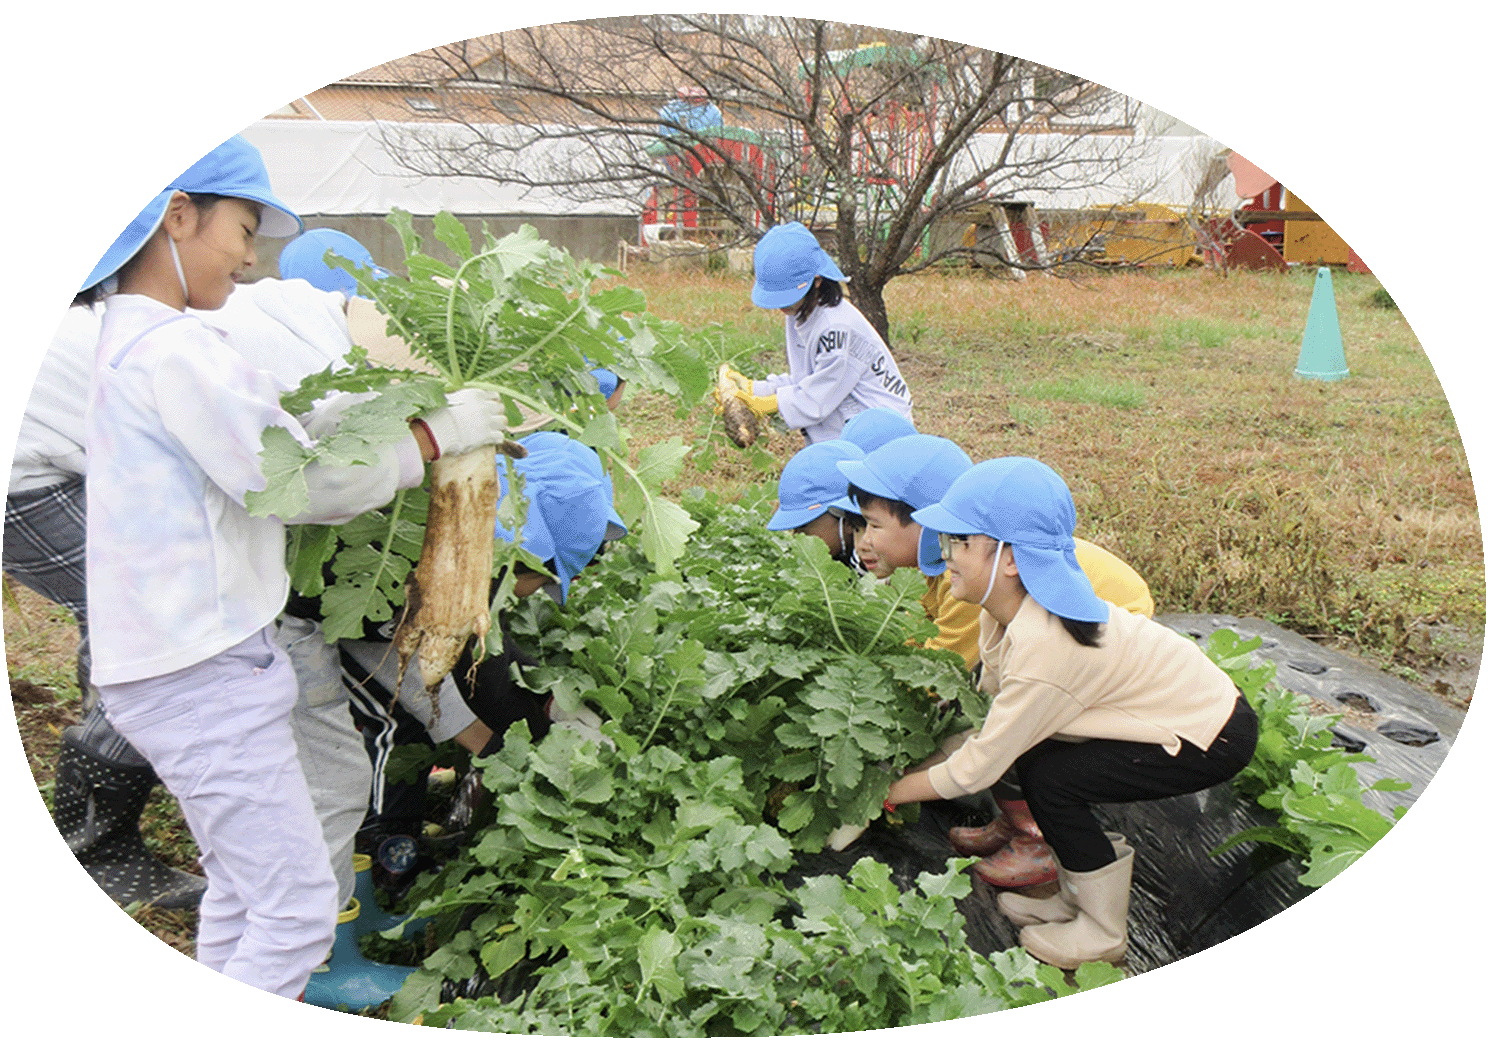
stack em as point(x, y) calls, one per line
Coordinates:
point(1310, 240)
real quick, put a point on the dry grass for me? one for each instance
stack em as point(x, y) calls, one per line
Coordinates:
point(1167, 401)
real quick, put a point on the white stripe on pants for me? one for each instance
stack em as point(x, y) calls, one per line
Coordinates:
point(217, 734)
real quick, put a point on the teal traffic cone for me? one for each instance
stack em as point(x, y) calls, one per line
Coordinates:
point(347, 980)
point(1322, 342)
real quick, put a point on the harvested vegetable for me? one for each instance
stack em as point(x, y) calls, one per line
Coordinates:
point(450, 589)
point(739, 421)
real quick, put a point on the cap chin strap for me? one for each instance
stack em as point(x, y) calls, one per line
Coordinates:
point(841, 540)
point(993, 578)
point(181, 274)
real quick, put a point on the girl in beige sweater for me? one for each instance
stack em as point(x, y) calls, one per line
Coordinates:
point(1091, 703)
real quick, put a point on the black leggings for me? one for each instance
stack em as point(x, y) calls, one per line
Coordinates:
point(1061, 780)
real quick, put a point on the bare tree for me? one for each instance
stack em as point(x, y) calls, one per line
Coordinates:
point(879, 141)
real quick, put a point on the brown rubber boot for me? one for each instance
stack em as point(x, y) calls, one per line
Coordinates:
point(1024, 861)
point(1015, 818)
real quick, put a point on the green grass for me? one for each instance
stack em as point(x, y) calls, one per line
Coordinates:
point(1093, 390)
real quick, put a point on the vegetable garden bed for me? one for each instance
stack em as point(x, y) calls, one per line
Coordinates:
point(677, 884)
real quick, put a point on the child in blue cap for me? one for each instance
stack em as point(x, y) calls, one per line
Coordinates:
point(810, 487)
point(184, 585)
point(888, 486)
point(873, 427)
point(837, 364)
point(1139, 711)
point(897, 479)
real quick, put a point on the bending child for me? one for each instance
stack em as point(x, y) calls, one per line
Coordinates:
point(1090, 702)
point(906, 475)
point(810, 488)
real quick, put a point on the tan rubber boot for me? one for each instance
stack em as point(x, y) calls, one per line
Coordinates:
point(1032, 909)
point(1098, 931)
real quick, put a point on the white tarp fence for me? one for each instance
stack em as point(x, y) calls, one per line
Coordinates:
point(342, 168)
point(1060, 171)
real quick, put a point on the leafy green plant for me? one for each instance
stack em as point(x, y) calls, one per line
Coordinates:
point(519, 318)
point(756, 700)
point(1297, 772)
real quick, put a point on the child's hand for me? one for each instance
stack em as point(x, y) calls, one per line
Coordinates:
point(761, 406)
point(742, 382)
point(473, 418)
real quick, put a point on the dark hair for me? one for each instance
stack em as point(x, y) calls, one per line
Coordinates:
point(93, 293)
point(824, 292)
point(1086, 633)
point(854, 521)
point(901, 511)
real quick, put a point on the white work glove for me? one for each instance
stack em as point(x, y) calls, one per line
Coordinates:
point(473, 418)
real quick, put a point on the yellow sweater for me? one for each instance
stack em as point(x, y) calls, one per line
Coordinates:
point(1143, 683)
point(1113, 580)
point(957, 624)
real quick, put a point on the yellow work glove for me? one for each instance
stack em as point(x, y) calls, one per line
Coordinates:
point(742, 382)
point(761, 406)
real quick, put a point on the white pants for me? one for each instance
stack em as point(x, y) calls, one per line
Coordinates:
point(218, 735)
point(331, 751)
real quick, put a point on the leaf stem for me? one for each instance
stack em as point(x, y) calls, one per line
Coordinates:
point(664, 706)
point(831, 610)
point(456, 375)
point(893, 609)
point(539, 345)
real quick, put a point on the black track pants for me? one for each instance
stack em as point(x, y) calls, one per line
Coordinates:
point(1062, 779)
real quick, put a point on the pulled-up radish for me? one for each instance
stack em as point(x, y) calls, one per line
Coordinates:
point(739, 421)
point(449, 594)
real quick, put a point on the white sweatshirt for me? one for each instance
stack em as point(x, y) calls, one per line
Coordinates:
point(839, 366)
point(49, 446)
point(290, 328)
point(178, 571)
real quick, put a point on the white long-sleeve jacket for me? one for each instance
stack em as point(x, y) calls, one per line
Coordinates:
point(838, 366)
point(290, 328)
point(178, 571)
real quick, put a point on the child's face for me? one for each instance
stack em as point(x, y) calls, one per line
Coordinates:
point(215, 256)
point(885, 543)
point(968, 565)
point(828, 529)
